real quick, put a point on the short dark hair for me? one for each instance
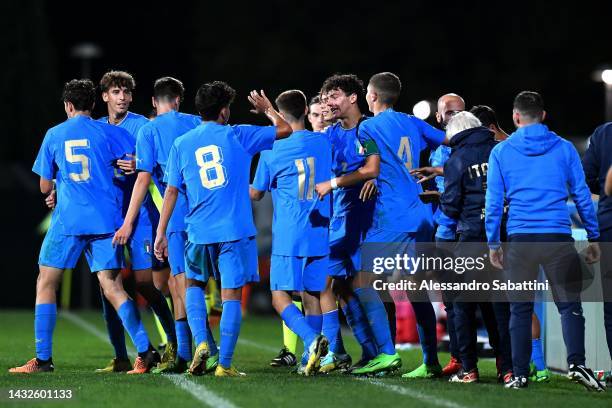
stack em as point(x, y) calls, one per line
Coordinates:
point(168, 88)
point(314, 100)
point(119, 79)
point(292, 103)
point(212, 97)
point(81, 93)
point(388, 86)
point(529, 104)
point(485, 114)
point(347, 83)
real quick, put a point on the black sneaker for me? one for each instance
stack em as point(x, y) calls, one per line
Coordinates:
point(360, 364)
point(582, 375)
point(517, 382)
point(285, 358)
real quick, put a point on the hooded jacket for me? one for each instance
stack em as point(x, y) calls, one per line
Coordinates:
point(536, 171)
point(596, 161)
point(465, 179)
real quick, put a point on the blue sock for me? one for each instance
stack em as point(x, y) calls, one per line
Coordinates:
point(426, 327)
point(231, 318)
point(164, 314)
point(183, 336)
point(195, 304)
point(133, 324)
point(114, 327)
point(294, 320)
point(537, 354)
point(357, 321)
point(45, 315)
point(377, 317)
point(331, 329)
point(316, 323)
point(212, 345)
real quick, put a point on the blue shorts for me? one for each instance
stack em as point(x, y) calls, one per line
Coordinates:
point(176, 251)
point(344, 251)
point(233, 263)
point(63, 251)
point(140, 247)
point(298, 273)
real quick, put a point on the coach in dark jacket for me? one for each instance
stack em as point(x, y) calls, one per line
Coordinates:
point(465, 180)
point(465, 183)
point(596, 163)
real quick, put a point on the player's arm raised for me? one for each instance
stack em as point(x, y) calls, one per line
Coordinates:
point(261, 104)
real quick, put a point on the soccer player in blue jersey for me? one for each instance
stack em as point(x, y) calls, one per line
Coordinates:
point(400, 216)
point(352, 216)
point(80, 155)
point(117, 88)
point(153, 145)
point(300, 228)
point(211, 164)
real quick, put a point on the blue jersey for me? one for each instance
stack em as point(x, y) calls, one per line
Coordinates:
point(153, 144)
point(132, 122)
point(80, 154)
point(437, 158)
point(212, 163)
point(347, 156)
point(400, 138)
point(290, 171)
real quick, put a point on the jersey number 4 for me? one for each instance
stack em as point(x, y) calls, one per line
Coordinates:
point(72, 157)
point(404, 152)
point(212, 173)
point(306, 191)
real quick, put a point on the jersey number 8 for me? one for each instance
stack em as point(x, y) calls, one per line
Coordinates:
point(71, 157)
point(212, 173)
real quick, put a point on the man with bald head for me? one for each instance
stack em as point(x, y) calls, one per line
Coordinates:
point(448, 105)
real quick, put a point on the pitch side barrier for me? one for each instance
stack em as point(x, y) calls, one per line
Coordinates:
point(462, 271)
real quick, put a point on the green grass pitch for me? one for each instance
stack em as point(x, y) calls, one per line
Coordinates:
point(80, 346)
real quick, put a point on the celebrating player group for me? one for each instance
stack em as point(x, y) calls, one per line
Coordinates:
point(353, 180)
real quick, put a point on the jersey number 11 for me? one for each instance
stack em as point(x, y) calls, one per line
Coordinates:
point(306, 191)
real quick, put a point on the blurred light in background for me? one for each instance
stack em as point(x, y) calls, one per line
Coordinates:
point(422, 110)
point(606, 76)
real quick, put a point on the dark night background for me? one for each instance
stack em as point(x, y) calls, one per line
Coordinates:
point(484, 51)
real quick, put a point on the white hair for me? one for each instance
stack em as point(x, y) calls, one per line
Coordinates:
point(460, 122)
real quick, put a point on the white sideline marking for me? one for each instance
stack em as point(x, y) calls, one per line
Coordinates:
point(390, 387)
point(198, 391)
point(250, 343)
point(409, 392)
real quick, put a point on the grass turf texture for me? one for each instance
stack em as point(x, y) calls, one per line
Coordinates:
point(77, 352)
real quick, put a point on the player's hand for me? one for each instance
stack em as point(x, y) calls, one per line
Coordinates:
point(260, 102)
point(127, 166)
point(426, 173)
point(323, 189)
point(430, 196)
point(50, 200)
point(592, 253)
point(160, 248)
point(122, 235)
point(496, 256)
point(368, 191)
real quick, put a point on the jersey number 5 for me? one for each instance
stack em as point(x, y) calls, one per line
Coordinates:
point(212, 173)
point(305, 192)
point(71, 157)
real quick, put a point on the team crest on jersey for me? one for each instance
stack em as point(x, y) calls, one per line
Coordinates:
point(359, 148)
